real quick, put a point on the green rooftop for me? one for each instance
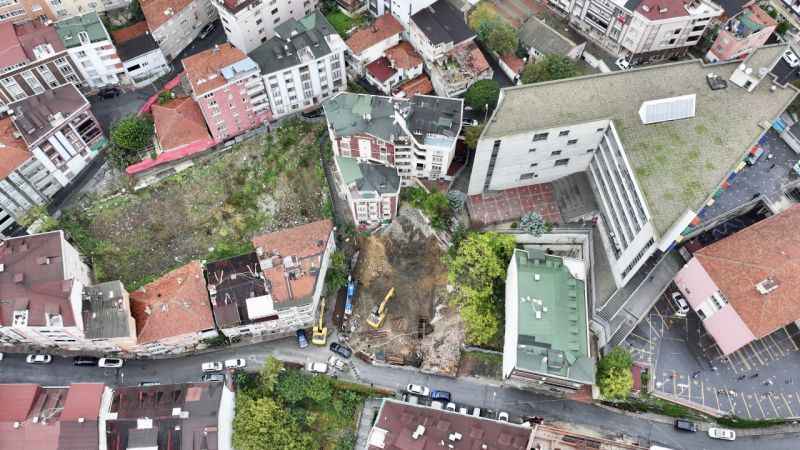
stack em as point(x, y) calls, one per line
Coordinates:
point(68, 29)
point(552, 325)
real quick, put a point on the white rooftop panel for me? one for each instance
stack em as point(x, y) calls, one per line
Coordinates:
point(667, 109)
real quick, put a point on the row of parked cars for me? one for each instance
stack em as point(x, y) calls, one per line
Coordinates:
point(444, 400)
point(713, 432)
point(44, 358)
point(333, 362)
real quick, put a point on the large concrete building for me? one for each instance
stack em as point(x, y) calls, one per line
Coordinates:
point(742, 33)
point(141, 57)
point(401, 9)
point(89, 45)
point(72, 8)
point(372, 190)
point(17, 11)
point(174, 24)
point(655, 143)
point(249, 23)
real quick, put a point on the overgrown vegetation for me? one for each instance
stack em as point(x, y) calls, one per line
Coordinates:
point(165, 96)
point(548, 68)
point(342, 24)
point(131, 138)
point(477, 267)
point(433, 204)
point(492, 30)
point(336, 277)
point(614, 377)
point(533, 223)
point(483, 94)
point(472, 135)
point(209, 211)
point(289, 409)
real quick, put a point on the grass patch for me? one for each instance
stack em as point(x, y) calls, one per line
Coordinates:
point(658, 406)
point(342, 23)
point(738, 422)
point(209, 211)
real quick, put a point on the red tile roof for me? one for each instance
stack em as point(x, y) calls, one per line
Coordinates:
point(83, 401)
point(130, 32)
point(34, 33)
point(383, 28)
point(513, 62)
point(11, 51)
point(178, 123)
point(157, 12)
point(418, 86)
point(380, 69)
point(174, 305)
point(403, 56)
point(476, 59)
point(302, 242)
point(13, 151)
point(662, 9)
point(767, 249)
point(202, 69)
point(17, 401)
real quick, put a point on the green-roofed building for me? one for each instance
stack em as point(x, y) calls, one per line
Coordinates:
point(547, 324)
point(373, 190)
point(88, 43)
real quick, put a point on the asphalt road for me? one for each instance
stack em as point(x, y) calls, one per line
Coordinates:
point(13, 369)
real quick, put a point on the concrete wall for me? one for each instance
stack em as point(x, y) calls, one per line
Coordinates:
point(253, 25)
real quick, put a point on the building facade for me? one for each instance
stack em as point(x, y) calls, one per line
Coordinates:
point(249, 23)
point(141, 57)
point(72, 8)
point(400, 9)
point(174, 24)
point(302, 65)
point(742, 33)
point(369, 43)
point(228, 87)
point(17, 11)
point(372, 190)
point(400, 63)
point(90, 47)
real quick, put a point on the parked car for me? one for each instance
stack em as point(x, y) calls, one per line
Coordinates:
point(685, 425)
point(451, 407)
point(110, 92)
point(110, 362)
point(237, 363)
point(463, 410)
point(790, 58)
point(39, 358)
point(442, 396)
point(754, 155)
point(85, 361)
point(341, 350)
point(1, 356)
point(302, 340)
point(336, 363)
point(681, 305)
point(469, 122)
point(214, 366)
point(208, 29)
point(622, 64)
point(437, 405)
point(213, 378)
point(317, 367)
point(312, 113)
point(419, 390)
point(411, 399)
point(476, 412)
point(503, 416)
point(722, 433)
point(149, 383)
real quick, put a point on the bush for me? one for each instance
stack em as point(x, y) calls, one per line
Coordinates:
point(336, 277)
point(614, 377)
point(433, 204)
point(131, 137)
point(482, 93)
point(548, 68)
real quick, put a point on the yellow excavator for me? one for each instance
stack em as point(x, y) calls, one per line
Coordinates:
point(378, 314)
point(320, 332)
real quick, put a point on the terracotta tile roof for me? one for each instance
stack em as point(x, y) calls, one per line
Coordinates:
point(34, 33)
point(126, 34)
point(11, 51)
point(157, 12)
point(403, 56)
point(83, 400)
point(17, 401)
point(476, 59)
point(174, 305)
point(383, 28)
point(179, 122)
point(513, 62)
point(13, 150)
point(662, 9)
point(380, 69)
point(767, 249)
point(418, 86)
point(202, 69)
point(306, 244)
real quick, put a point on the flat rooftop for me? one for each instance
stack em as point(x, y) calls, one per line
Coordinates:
point(678, 164)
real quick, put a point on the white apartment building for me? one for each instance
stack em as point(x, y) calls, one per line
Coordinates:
point(249, 23)
point(174, 24)
point(641, 30)
point(90, 46)
point(370, 43)
point(141, 57)
point(72, 8)
point(401, 9)
point(302, 65)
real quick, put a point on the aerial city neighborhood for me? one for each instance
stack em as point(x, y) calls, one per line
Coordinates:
point(399, 224)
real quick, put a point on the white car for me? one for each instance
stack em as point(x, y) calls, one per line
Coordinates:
point(317, 367)
point(722, 433)
point(39, 359)
point(680, 303)
point(622, 64)
point(476, 412)
point(336, 363)
point(215, 366)
point(503, 416)
point(419, 390)
point(110, 362)
point(238, 363)
point(790, 58)
point(451, 407)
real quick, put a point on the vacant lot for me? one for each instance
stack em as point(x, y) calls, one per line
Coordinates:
point(208, 211)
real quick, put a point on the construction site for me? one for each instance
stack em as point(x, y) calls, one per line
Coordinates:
point(400, 312)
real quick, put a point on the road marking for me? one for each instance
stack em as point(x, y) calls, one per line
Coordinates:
point(758, 402)
point(790, 339)
point(786, 402)
point(775, 343)
point(746, 365)
point(702, 393)
point(746, 407)
point(719, 407)
point(769, 352)
point(674, 382)
point(663, 320)
point(642, 338)
point(777, 414)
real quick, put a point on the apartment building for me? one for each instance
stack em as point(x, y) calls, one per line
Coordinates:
point(742, 33)
point(417, 135)
point(620, 130)
point(369, 43)
point(228, 87)
point(372, 190)
point(90, 46)
point(174, 24)
point(17, 11)
point(400, 9)
point(249, 23)
point(34, 60)
point(302, 65)
point(72, 8)
point(547, 323)
point(641, 30)
point(141, 57)
point(274, 291)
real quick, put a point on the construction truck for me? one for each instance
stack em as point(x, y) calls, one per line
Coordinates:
point(378, 314)
point(320, 332)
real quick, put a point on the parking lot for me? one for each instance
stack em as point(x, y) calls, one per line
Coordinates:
point(759, 381)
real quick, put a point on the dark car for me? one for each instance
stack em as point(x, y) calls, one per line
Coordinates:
point(685, 425)
point(442, 396)
point(85, 361)
point(341, 350)
point(110, 92)
point(302, 340)
point(213, 377)
point(208, 29)
point(312, 113)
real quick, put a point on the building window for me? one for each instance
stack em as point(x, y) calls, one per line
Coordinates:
point(48, 76)
point(572, 142)
point(563, 133)
point(532, 150)
point(33, 82)
point(13, 88)
point(540, 137)
point(590, 150)
point(562, 162)
point(527, 176)
point(555, 153)
point(600, 130)
point(534, 164)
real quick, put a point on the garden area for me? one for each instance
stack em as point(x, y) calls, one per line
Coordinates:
point(286, 408)
point(208, 211)
point(342, 23)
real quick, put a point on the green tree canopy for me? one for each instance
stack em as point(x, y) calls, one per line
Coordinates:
point(482, 93)
point(268, 376)
point(472, 135)
point(550, 67)
point(615, 383)
point(262, 423)
point(131, 136)
point(481, 14)
point(498, 36)
point(434, 204)
point(336, 277)
point(533, 223)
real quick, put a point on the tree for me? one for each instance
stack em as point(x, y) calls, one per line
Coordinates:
point(130, 137)
point(135, 9)
point(614, 374)
point(291, 386)
point(263, 423)
point(482, 93)
point(434, 205)
point(482, 13)
point(336, 277)
point(472, 135)
point(498, 36)
point(782, 28)
point(550, 67)
point(533, 223)
point(268, 376)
